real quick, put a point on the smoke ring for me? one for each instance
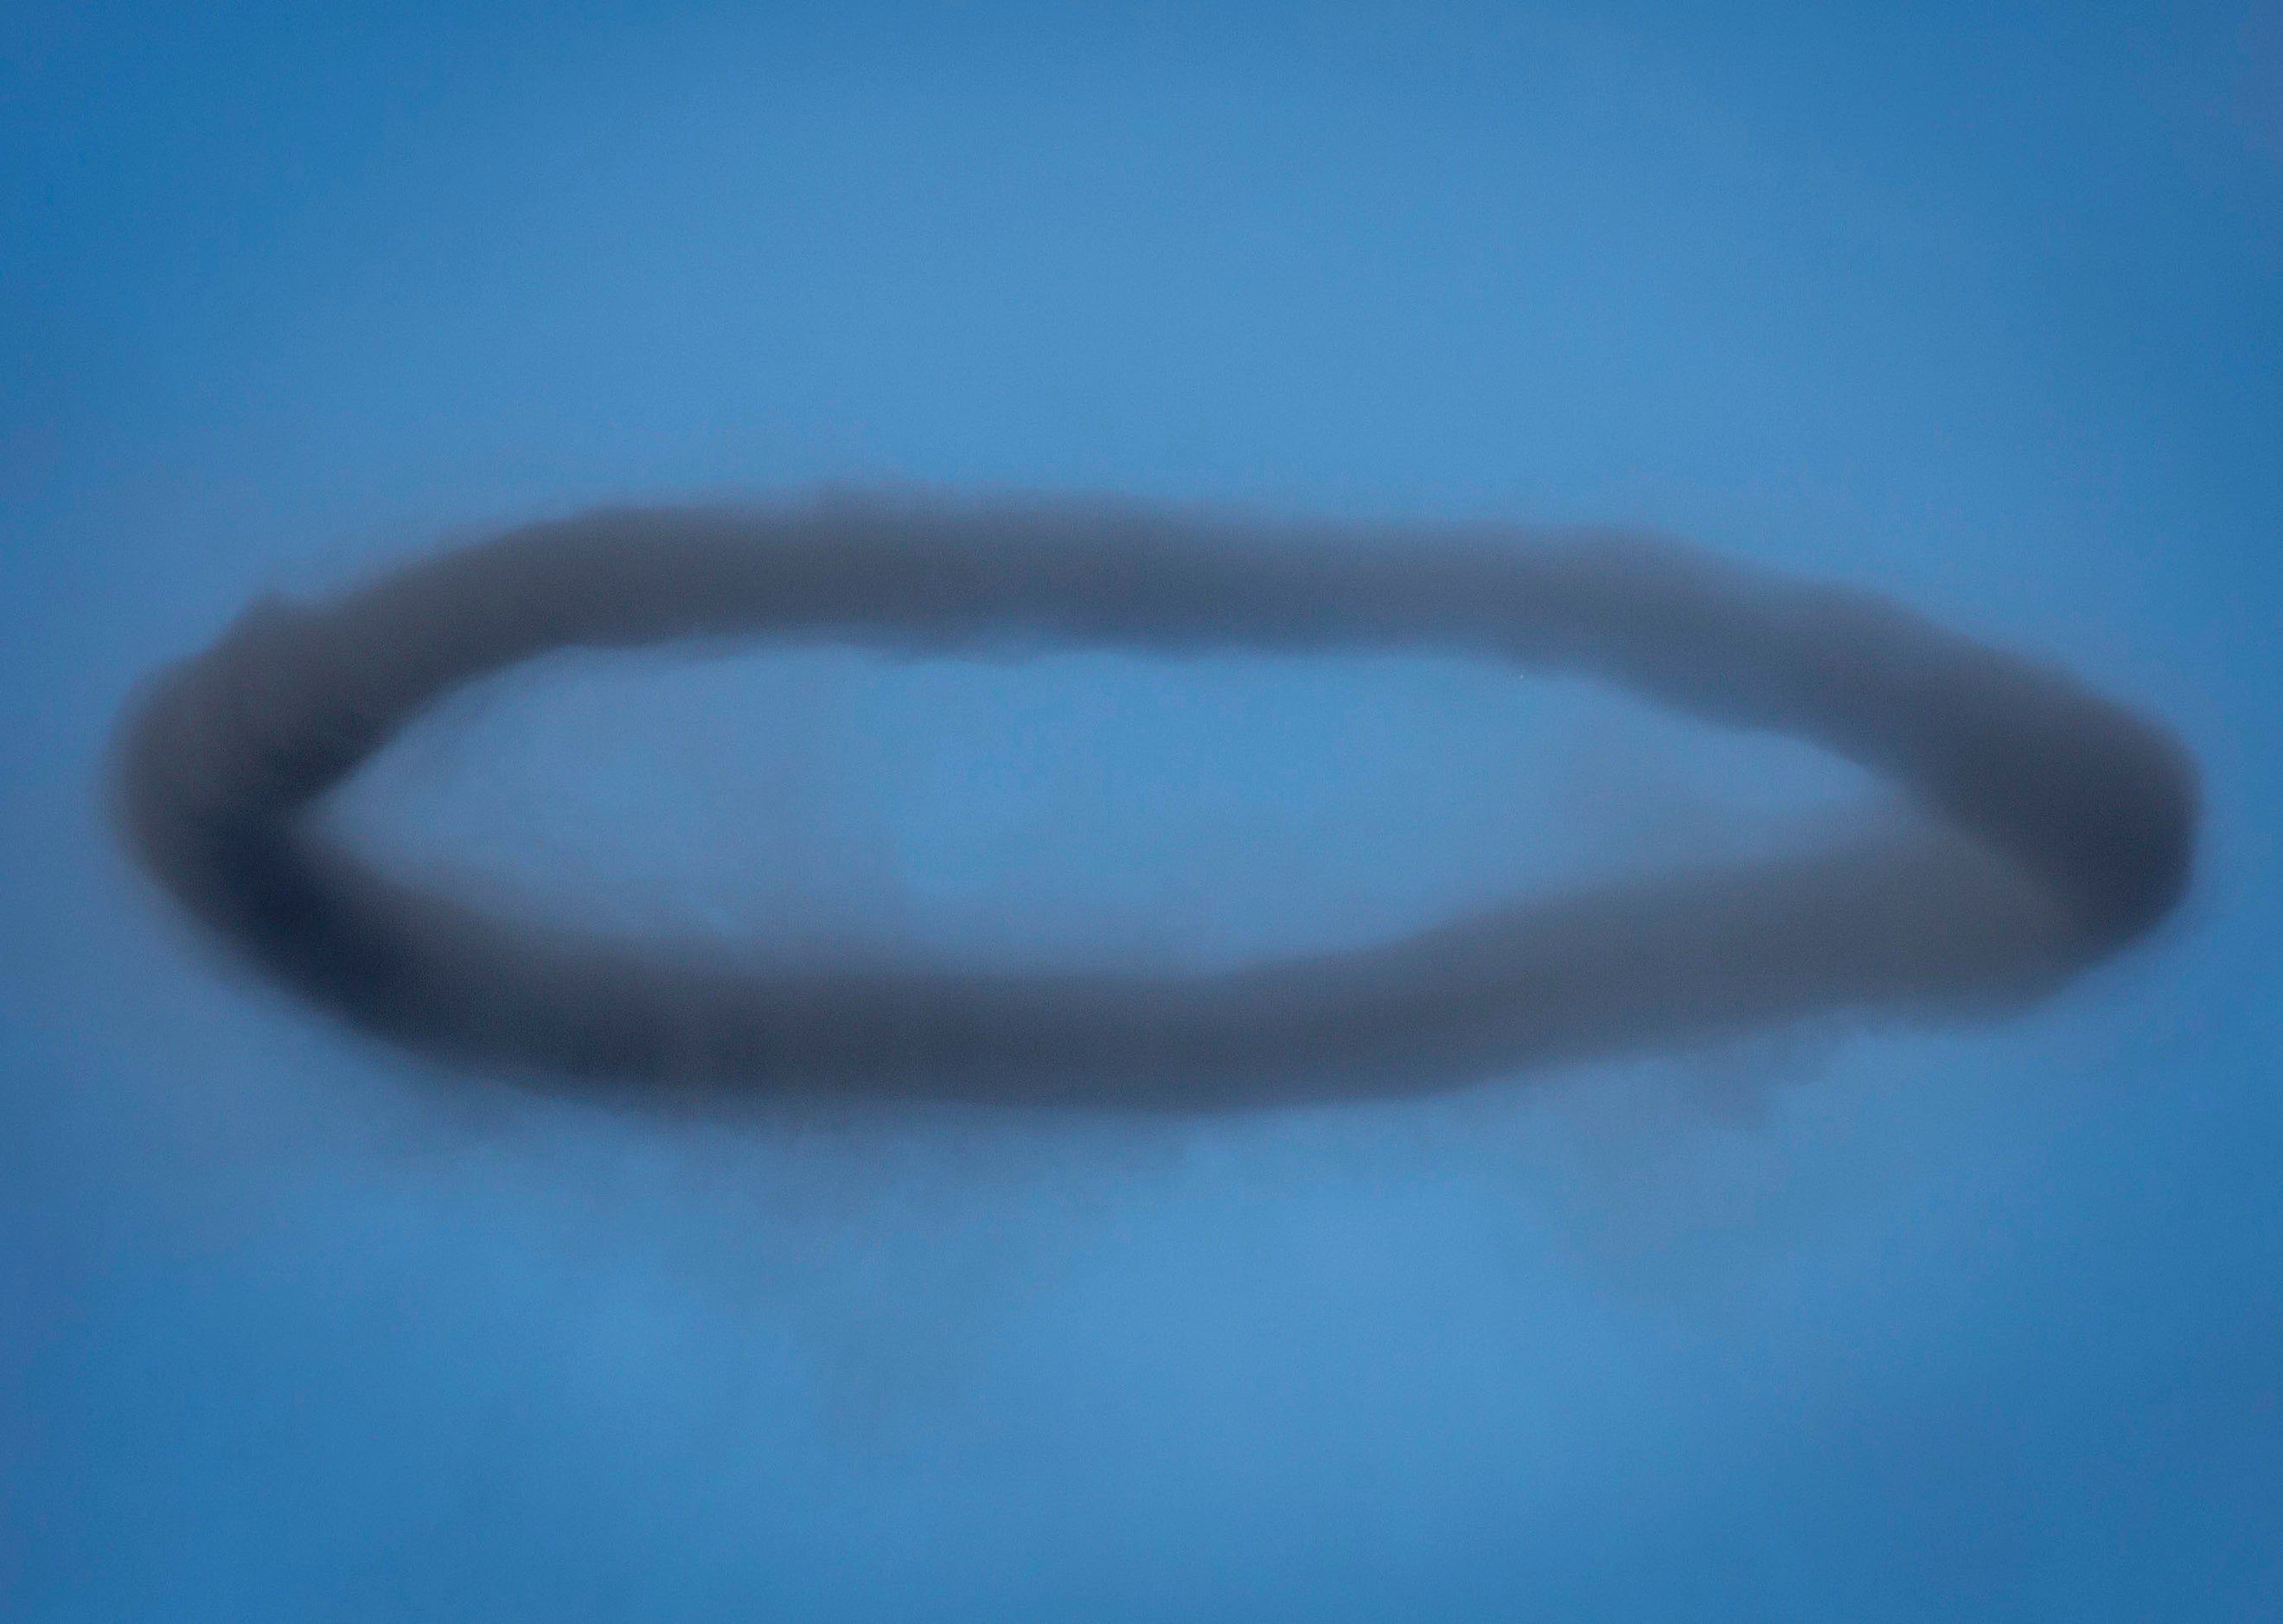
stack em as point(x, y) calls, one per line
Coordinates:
point(2059, 826)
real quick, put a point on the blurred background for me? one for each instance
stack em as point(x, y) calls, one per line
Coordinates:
point(1975, 305)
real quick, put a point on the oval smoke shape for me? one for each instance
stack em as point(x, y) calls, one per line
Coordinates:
point(2058, 826)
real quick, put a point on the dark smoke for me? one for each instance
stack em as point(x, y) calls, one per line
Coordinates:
point(2058, 827)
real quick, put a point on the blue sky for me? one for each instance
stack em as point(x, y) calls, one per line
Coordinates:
point(1976, 306)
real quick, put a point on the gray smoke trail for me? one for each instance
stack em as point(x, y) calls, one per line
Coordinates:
point(2060, 826)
